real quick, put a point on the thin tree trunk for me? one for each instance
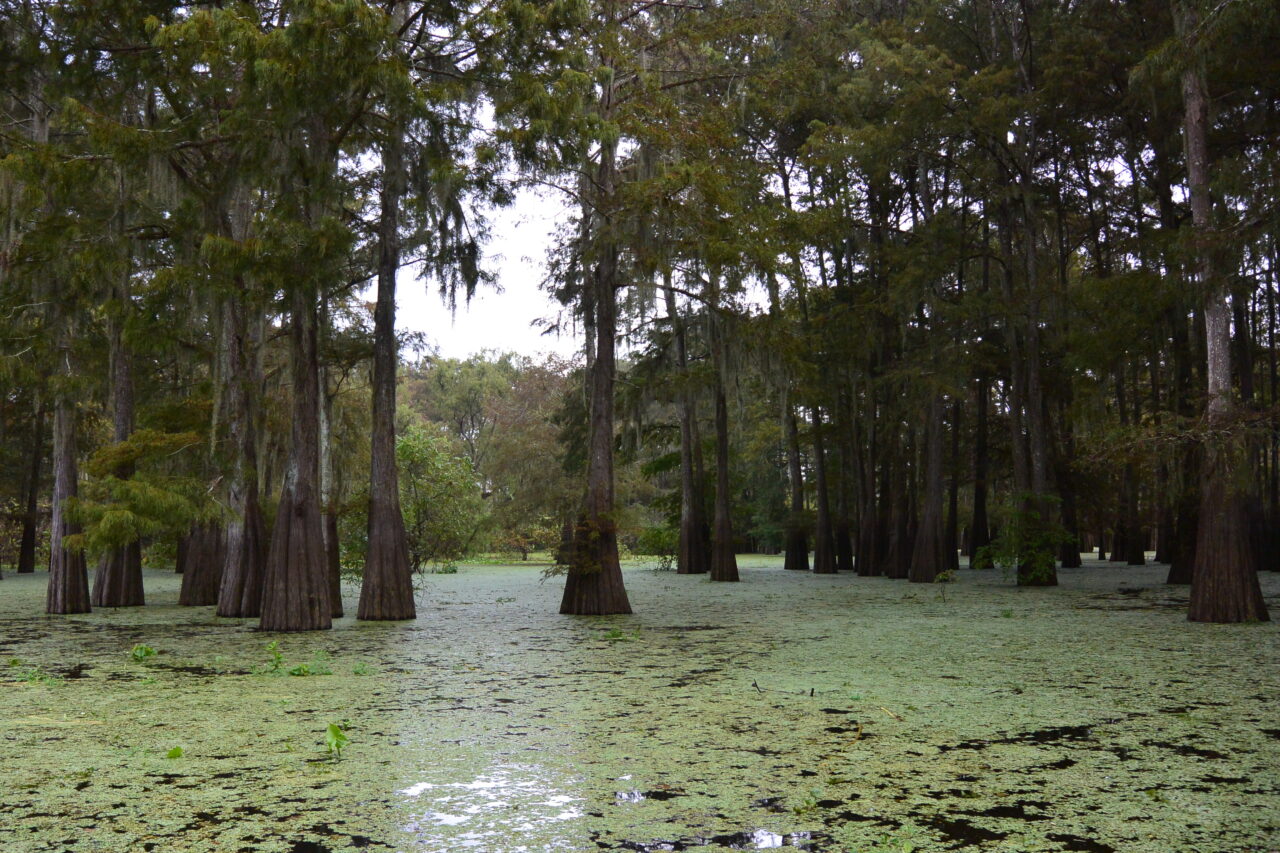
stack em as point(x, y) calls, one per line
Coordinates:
point(867, 561)
point(328, 490)
point(980, 530)
point(797, 547)
point(691, 557)
point(386, 591)
point(953, 493)
point(31, 516)
point(724, 562)
point(928, 557)
point(842, 529)
point(824, 554)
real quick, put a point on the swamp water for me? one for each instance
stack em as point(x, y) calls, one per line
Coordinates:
point(821, 713)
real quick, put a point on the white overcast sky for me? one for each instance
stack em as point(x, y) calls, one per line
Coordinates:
point(521, 235)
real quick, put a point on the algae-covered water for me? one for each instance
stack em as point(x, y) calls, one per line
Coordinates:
point(827, 713)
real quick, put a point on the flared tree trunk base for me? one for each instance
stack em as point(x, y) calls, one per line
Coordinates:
point(295, 594)
point(202, 573)
point(386, 593)
point(1224, 584)
point(691, 558)
point(118, 582)
point(240, 593)
point(594, 584)
point(68, 584)
point(824, 552)
point(797, 552)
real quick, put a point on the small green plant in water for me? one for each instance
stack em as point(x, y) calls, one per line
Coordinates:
point(1006, 614)
point(361, 668)
point(176, 752)
point(335, 739)
point(808, 803)
point(32, 674)
point(275, 662)
point(141, 653)
point(944, 577)
point(617, 635)
point(318, 665)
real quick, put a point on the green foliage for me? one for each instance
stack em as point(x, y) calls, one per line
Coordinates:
point(176, 752)
point(142, 653)
point(32, 674)
point(335, 739)
point(156, 500)
point(660, 541)
point(439, 495)
point(318, 665)
point(275, 659)
point(1029, 538)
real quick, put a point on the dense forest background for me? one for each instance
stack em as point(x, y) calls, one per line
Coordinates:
point(895, 281)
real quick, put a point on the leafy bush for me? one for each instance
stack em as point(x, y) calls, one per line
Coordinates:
point(439, 496)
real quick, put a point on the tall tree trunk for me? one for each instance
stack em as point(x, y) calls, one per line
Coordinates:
point(1224, 582)
point(824, 553)
point(928, 557)
point(870, 525)
point(31, 516)
point(240, 590)
point(797, 546)
point(980, 526)
point(594, 584)
point(724, 562)
point(118, 581)
point(295, 583)
point(386, 591)
point(842, 528)
point(692, 554)
point(953, 493)
point(328, 488)
point(68, 577)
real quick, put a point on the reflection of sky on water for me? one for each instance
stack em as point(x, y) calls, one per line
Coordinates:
point(497, 810)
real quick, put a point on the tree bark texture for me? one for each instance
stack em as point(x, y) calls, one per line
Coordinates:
point(1224, 580)
point(692, 552)
point(929, 556)
point(386, 591)
point(68, 577)
point(724, 562)
point(594, 585)
point(240, 591)
point(295, 584)
point(31, 516)
point(202, 573)
point(824, 544)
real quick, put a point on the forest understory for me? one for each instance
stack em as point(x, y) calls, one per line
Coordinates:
point(819, 712)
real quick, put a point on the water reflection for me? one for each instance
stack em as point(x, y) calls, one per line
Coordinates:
point(492, 810)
